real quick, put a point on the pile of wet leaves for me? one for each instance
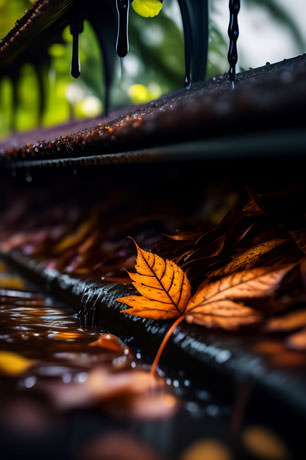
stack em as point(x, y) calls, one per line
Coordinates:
point(79, 394)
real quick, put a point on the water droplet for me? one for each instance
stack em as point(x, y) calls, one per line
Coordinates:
point(212, 410)
point(76, 28)
point(223, 356)
point(81, 377)
point(233, 33)
point(67, 378)
point(29, 382)
point(122, 45)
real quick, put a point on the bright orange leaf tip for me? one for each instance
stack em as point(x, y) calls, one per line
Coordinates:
point(165, 293)
point(164, 288)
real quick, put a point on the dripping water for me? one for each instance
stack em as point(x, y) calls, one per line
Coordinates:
point(233, 33)
point(76, 27)
point(122, 45)
point(187, 43)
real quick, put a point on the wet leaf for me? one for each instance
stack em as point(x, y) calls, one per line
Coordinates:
point(165, 293)
point(221, 303)
point(117, 446)
point(76, 238)
point(164, 288)
point(248, 258)
point(289, 322)
point(208, 449)
point(297, 341)
point(262, 443)
point(299, 237)
point(14, 364)
point(12, 283)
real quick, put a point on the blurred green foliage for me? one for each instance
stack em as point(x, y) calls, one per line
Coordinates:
point(154, 66)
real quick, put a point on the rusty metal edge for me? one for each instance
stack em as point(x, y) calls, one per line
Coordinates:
point(269, 145)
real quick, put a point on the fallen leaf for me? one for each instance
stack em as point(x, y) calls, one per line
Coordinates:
point(166, 294)
point(221, 303)
point(289, 322)
point(299, 237)
point(13, 364)
point(248, 258)
point(268, 347)
point(288, 358)
point(164, 288)
point(185, 236)
point(262, 443)
point(208, 449)
point(297, 341)
point(116, 446)
point(12, 283)
point(76, 238)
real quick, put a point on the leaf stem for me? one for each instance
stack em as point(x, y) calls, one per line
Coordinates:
point(164, 343)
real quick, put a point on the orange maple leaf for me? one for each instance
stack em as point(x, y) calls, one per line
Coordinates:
point(165, 293)
point(164, 287)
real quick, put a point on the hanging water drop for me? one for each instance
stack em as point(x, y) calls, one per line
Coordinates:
point(76, 27)
point(122, 45)
point(195, 23)
point(233, 33)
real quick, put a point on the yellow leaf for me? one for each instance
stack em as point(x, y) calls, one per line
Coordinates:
point(220, 303)
point(12, 283)
point(147, 8)
point(164, 288)
point(14, 364)
point(76, 238)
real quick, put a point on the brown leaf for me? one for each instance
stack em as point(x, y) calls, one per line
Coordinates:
point(221, 303)
point(185, 236)
point(248, 258)
point(251, 208)
point(299, 237)
point(297, 340)
point(165, 293)
point(164, 288)
point(290, 322)
point(263, 443)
